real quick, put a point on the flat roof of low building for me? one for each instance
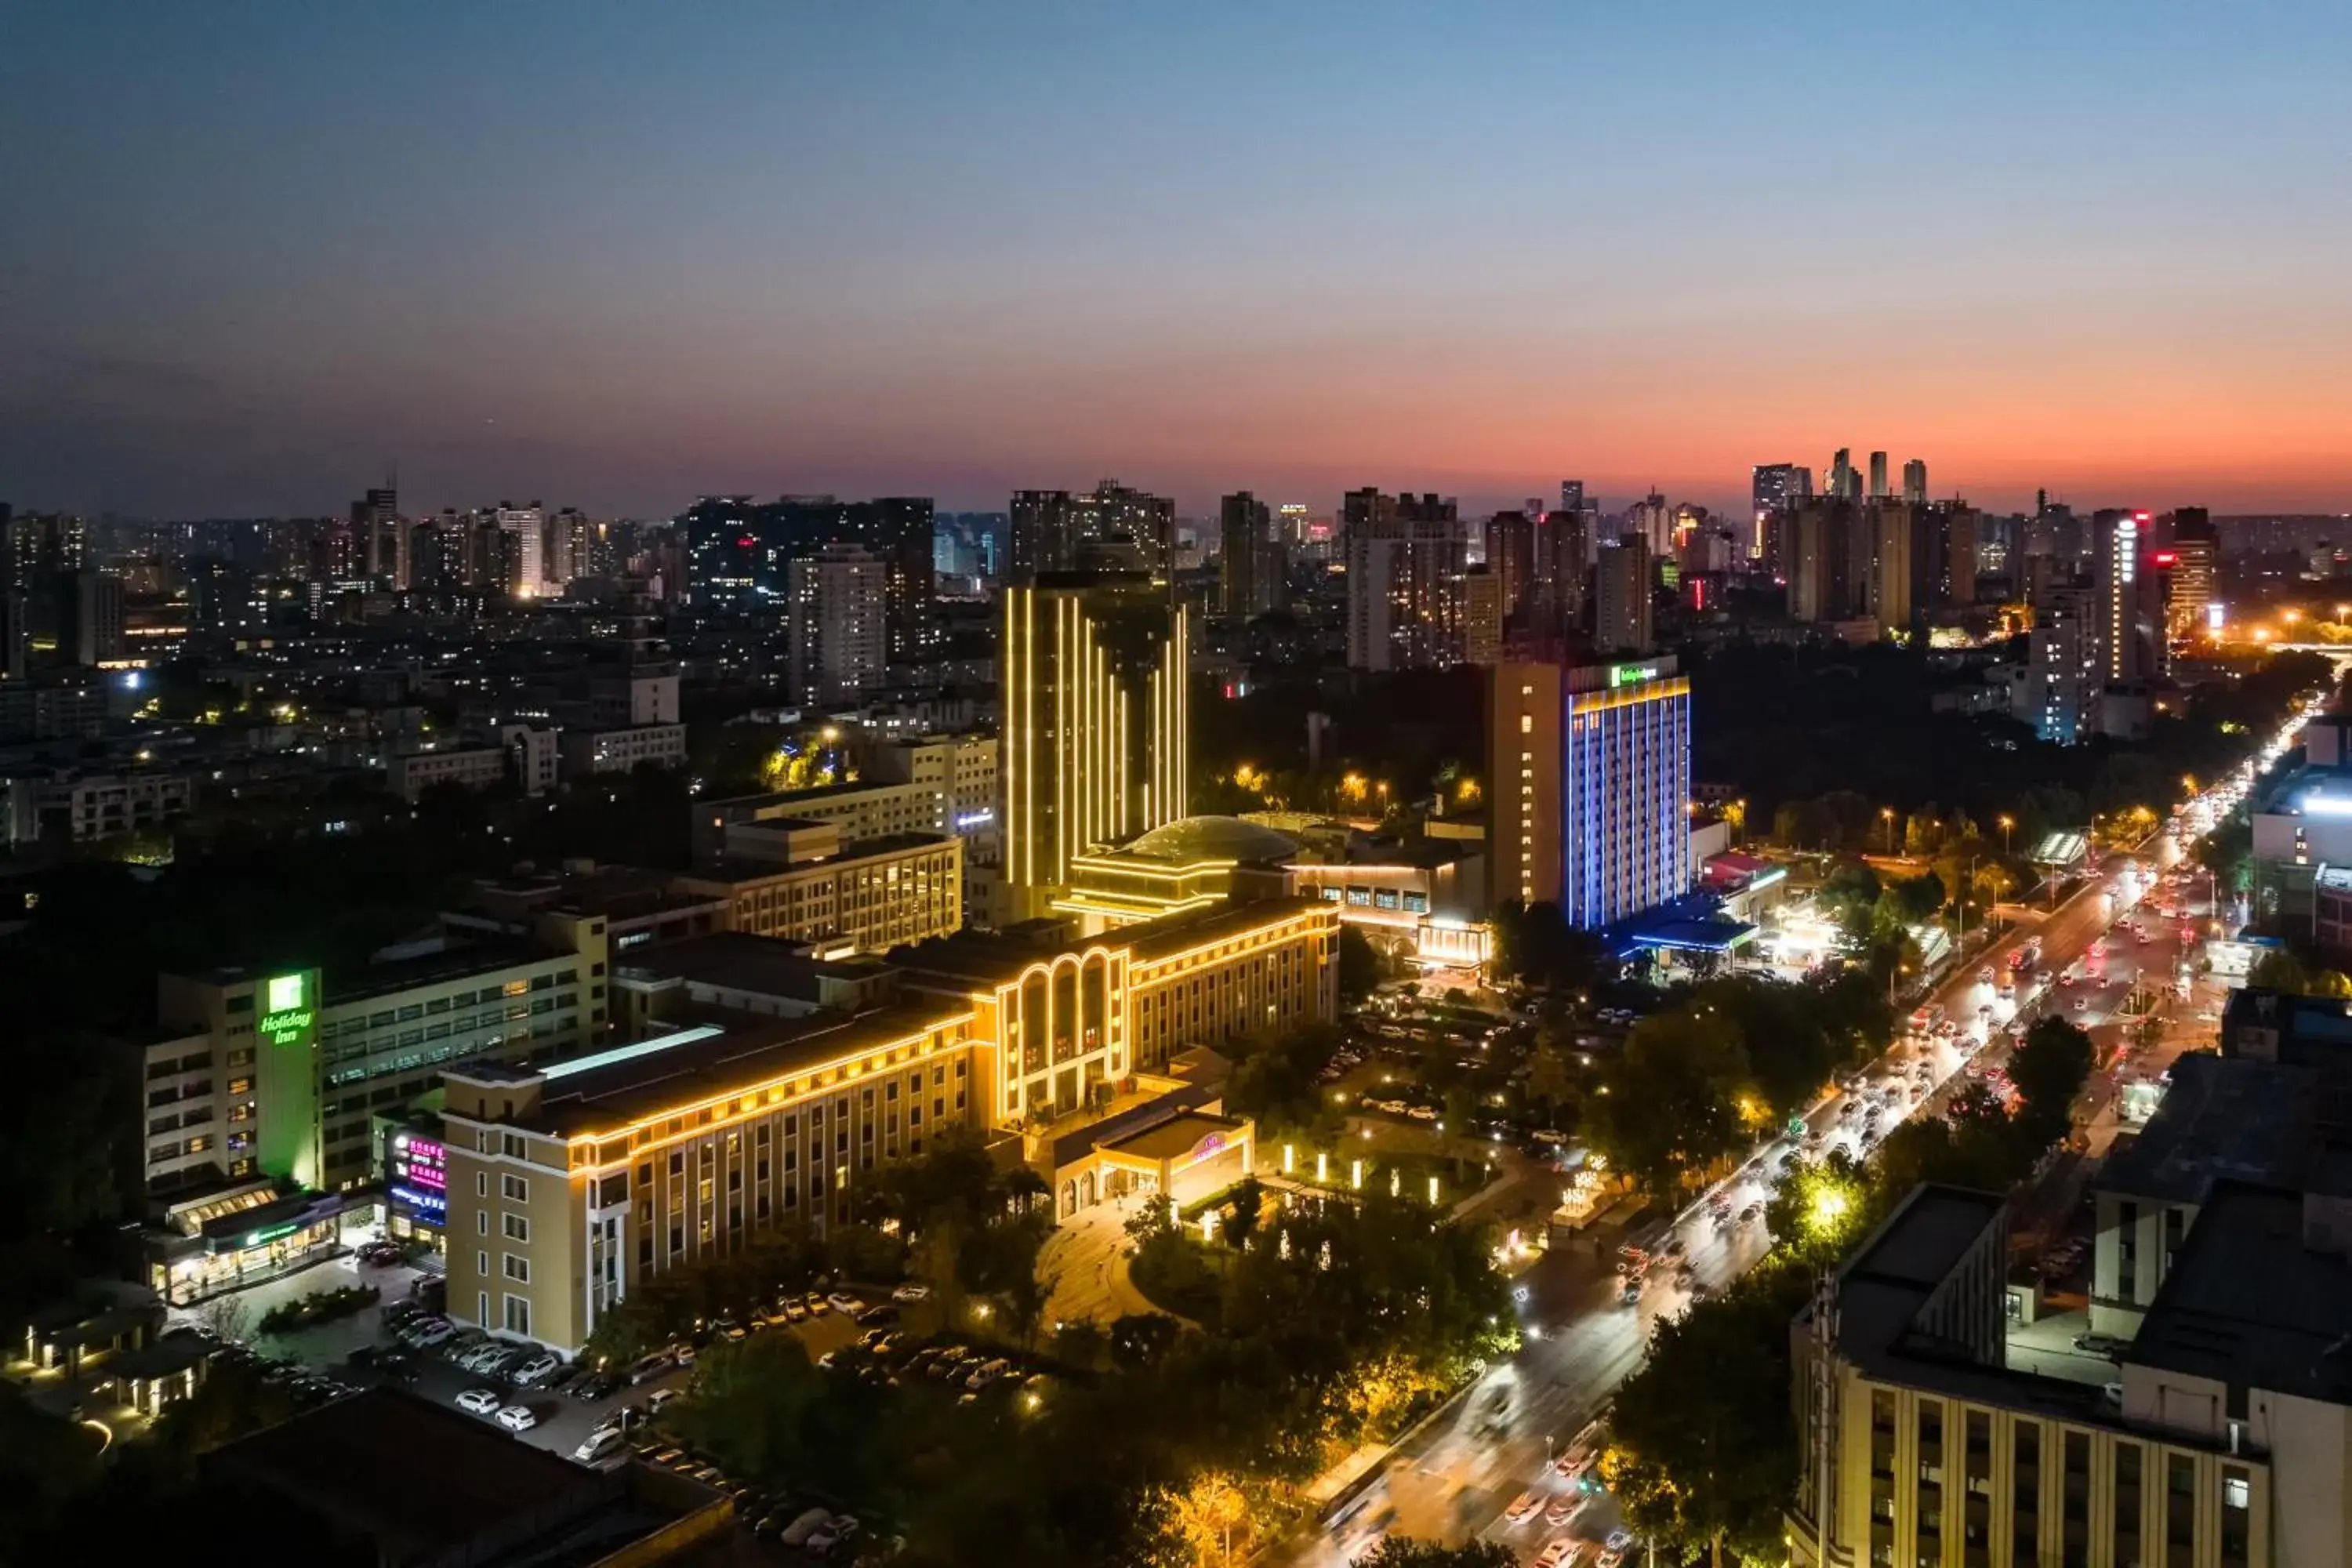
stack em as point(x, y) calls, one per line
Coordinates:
point(331, 1464)
point(1886, 1285)
point(2222, 1119)
point(487, 956)
point(2248, 1304)
point(738, 870)
point(726, 1051)
point(737, 961)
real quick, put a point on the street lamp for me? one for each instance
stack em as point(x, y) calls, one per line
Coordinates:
point(2006, 823)
point(1887, 814)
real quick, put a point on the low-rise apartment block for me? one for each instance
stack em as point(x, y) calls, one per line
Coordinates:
point(871, 894)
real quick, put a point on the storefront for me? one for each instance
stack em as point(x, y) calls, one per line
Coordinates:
point(416, 1181)
point(226, 1241)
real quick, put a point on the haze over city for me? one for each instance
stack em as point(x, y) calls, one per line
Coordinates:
point(621, 257)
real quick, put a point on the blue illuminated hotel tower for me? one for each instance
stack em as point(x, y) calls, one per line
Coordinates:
point(1591, 772)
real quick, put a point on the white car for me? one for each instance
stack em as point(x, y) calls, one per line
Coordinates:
point(478, 1401)
point(518, 1418)
point(911, 1292)
point(601, 1444)
point(661, 1400)
point(430, 1332)
point(537, 1368)
point(843, 1301)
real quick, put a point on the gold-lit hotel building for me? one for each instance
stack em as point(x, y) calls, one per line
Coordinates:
point(569, 1183)
point(1097, 718)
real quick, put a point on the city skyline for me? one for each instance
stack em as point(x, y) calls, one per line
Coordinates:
point(620, 264)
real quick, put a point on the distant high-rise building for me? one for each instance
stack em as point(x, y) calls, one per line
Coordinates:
point(1653, 519)
point(1841, 483)
point(92, 601)
point(1405, 559)
point(1563, 565)
point(1291, 523)
point(1915, 481)
point(1054, 530)
point(1481, 617)
point(382, 537)
point(1878, 476)
point(839, 618)
point(1511, 556)
point(1621, 578)
point(2129, 625)
point(1571, 495)
point(1890, 579)
point(1773, 489)
point(2060, 693)
point(1096, 722)
point(1589, 777)
point(2195, 550)
point(1822, 581)
point(526, 545)
point(1249, 561)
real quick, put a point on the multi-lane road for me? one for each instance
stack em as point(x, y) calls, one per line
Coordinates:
point(1452, 1477)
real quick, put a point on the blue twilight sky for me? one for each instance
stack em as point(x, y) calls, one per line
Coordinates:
point(615, 254)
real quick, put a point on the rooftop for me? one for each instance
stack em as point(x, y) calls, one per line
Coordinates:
point(2223, 1118)
point(1173, 1137)
point(1196, 838)
point(739, 870)
point(736, 961)
point(993, 958)
point(712, 1061)
point(326, 1469)
point(454, 962)
point(2249, 1304)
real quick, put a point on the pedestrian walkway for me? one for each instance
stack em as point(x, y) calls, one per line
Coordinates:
point(1085, 1259)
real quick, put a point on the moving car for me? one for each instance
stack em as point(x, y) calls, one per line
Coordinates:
point(1562, 1552)
point(911, 1292)
point(518, 1418)
point(478, 1401)
point(1524, 1507)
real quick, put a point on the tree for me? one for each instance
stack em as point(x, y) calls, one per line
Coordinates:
point(1243, 1213)
point(1207, 1513)
point(2049, 1067)
point(1359, 967)
point(1667, 1111)
point(1405, 1551)
point(1702, 1440)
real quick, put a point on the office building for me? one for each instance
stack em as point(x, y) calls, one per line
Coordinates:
point(71, 805)
point(1623, 610)
point(1511, 544)
point(380, 538)
point(622, 749)
point(1571, 495)
point(2219, 1442)
point(90, 633)
point(1250, 560)
point(1877, 476)
point(838, 609)
point(1095, 723)
point(1589, 787)
point(570, 1187)
point(1405, 556)
point(1915, 482)
point(806, 881)
point(2195, 562)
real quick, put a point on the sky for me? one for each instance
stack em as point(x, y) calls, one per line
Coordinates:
point(615, 256)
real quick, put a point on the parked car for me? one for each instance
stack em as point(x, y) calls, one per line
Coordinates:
point(478, 1401)
point(600, 1445)
point(807, 1523)
point(911, 1292)
point(834, 1535)
point(518, 1418)
point(661, 1400)
point(432, 1331)
point(843, 1301)
point(2107, 1345)
point(538, 1369)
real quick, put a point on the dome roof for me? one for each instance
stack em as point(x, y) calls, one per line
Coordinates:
point(1214, 838)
